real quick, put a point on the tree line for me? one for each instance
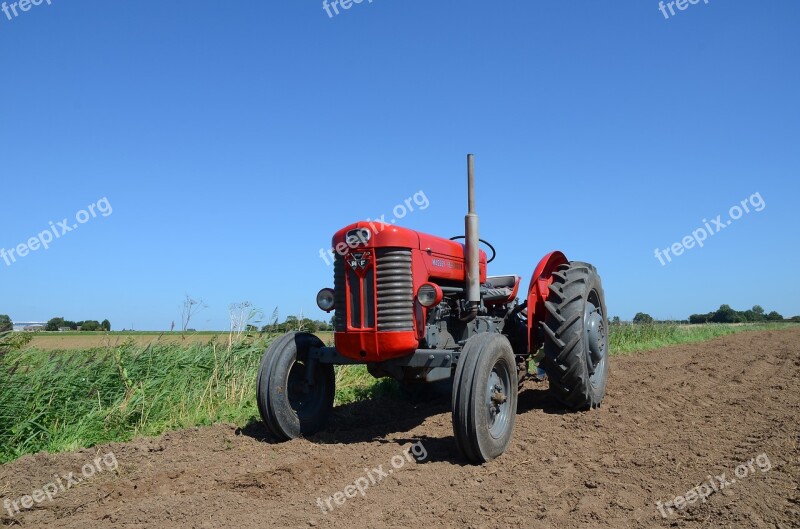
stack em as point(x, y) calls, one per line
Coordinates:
point(55, 324)
point(724, 314)
point(293, 323)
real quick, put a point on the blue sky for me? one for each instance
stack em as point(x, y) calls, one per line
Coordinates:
point(232, 139)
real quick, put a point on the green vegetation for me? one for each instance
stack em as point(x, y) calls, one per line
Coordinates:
point(65, 400)
point(725, 314)
point(628, 338)
point(56, 324)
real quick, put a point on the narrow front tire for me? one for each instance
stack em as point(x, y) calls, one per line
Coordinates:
point(289, 403)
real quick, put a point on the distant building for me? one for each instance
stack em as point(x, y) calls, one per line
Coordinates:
point(64, 329)
point(34, 328)
point(23, 325)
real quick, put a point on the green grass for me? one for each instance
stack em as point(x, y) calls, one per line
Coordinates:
point(632, 338)
point(59, 401)
point(65, 400)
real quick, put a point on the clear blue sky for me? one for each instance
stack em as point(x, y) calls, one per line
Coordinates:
point(233, 138)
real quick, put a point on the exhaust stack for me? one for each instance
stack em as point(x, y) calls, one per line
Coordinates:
point(471, 243)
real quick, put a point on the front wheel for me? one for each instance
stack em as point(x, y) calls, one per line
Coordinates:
point(484, 401)
point(290, 402)
point(576, 337)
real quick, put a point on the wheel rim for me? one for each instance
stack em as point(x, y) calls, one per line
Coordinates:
point(305, 399)
point(596, 339)
point(497, 401)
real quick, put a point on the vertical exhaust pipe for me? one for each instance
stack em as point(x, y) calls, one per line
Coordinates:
point(471, 244)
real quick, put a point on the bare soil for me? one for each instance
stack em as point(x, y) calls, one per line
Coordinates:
point(671, 418)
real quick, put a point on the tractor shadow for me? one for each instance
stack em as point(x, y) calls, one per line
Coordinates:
point(540, 398)
point(373, 420)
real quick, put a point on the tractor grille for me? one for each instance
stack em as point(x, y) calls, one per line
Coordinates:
point(395, 290)
point(391, 277)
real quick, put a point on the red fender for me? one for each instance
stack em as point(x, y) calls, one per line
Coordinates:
point(538, 291)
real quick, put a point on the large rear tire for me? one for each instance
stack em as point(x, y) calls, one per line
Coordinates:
point(576, 337)
point(289, 406)
point(484, 401)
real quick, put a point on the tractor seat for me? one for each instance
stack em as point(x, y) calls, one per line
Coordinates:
point(499, 290)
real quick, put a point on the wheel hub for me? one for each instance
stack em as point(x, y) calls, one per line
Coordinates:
point(303, 395)
point(596, 334)
point(497, 401)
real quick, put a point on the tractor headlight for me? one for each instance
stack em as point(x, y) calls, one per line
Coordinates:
point(357, 236)
point(325, 299)
point(429, 295)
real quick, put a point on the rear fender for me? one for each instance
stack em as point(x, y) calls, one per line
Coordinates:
point(538, 292)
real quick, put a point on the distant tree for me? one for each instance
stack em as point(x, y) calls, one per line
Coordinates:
point(616, 321)
point(106, 325)
point(796, 319)
point(725, 314)
point(71, 324)
point(641, 317)
point(698, 318)
point(291, 324)
point(774, 316)
point(90, 325)
point(5, 323)
point(758, 309)
point(54, 324)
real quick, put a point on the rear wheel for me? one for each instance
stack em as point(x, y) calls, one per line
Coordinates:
point(484, 401)
point(290, 405)
point(576, 336)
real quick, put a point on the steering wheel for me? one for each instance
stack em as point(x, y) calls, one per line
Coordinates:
point(494, 252)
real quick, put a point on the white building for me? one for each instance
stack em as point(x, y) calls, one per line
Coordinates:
point(20, 326)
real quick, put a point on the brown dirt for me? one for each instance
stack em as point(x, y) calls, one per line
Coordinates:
point(671, 417)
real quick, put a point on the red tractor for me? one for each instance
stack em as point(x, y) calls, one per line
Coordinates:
point(422, 309)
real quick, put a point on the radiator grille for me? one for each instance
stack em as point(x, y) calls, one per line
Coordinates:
point(395, 290)
point(391, 278)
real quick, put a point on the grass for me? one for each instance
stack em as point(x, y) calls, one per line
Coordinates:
point(632, 338)
point(65, 400)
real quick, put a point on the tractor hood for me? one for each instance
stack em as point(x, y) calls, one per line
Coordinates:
point(375, 234)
